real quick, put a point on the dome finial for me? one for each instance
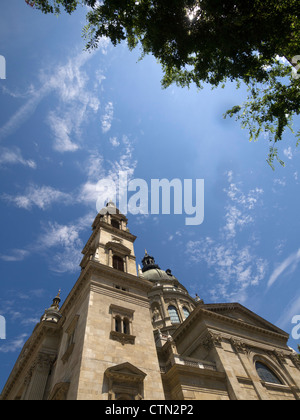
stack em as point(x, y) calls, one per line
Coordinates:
point(56, 301)
point(148, 262)
point(52, 314)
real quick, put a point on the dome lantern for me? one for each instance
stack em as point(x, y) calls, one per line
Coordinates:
point(148, 263)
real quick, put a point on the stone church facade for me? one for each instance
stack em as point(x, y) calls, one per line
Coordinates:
point(123, 335)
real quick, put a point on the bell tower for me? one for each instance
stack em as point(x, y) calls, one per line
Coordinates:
point(105, 348)
point(111, 243)
point(106, 328)
point(119, 336)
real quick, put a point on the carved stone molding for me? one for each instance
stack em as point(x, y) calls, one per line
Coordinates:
point(212, 340)
point(44, 361)
point(60, 391)
point(122, 338)
point(280, 356)
point(277, 356)
point(239, 346)
point(296, 360)
point(28, 377)
point(125, 381)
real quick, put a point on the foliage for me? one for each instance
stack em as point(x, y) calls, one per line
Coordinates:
point(211, 42)
point(54, 6)
point(270, 108)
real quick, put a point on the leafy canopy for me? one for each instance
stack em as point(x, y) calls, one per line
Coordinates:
point(212, 41)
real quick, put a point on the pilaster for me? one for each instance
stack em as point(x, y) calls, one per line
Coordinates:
point(37, 377)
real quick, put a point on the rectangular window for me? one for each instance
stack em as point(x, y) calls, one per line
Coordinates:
point(116, 286)
point(118, 263)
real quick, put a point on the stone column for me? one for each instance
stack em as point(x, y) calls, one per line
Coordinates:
point(110, 259)
point(180, 311)
point(39, 377)
point(163, 307)
point(242, 353)
point(214, 341)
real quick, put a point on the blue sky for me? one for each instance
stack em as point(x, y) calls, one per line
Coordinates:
point(70, 118)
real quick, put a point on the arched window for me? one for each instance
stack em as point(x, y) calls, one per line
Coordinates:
point(115, 224)
point(266, 374)
point(173, 314)
point(118, 263)
point(186, 312)
point(126, 326)
point(118, 325)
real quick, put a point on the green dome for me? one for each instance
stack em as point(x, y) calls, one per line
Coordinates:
point(156, 274)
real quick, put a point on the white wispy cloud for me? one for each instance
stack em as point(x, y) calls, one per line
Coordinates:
point(292, 309)
point(13, 345)
point(61, 244)
point(114, 142)
point(94, 188)
point(235, 218)
point(64, 242)
point(14, 156)
point(233, 265)
point(278, 183)
point(94, 166)
point(41, 197)
point(233, 268)
point(23, 113)
point(62, 130)
point(18, 307)
point(239, 210)
point(107, 117)
point(75, 100)
point(288, 153)
point(15, 255)
point(290, 262)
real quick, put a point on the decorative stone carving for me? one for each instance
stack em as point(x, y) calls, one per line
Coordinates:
point(60, 391)
point(212, 340)
point(156, 314)
point(125, 381)
point(122, 338)
point(44, 361)
point(238, 345)
point(280, 356)
point(296, 360)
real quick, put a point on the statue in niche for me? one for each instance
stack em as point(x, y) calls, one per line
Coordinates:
point(156, 314)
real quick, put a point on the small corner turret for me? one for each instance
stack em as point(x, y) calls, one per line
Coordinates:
point(148, 263)
point(53, 314)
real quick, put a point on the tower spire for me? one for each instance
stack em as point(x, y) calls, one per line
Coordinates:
point(52, 314)
point(148, 262)
point(56, 301)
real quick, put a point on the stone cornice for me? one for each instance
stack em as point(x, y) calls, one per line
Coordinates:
point(123, 233)
point(177, 369)
point(94, 267)
point(28, 352)
point(116, 247)
point(225, 307)
point(201, 311)
point(129, 279)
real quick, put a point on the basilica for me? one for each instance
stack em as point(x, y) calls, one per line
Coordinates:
point(128, 333)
